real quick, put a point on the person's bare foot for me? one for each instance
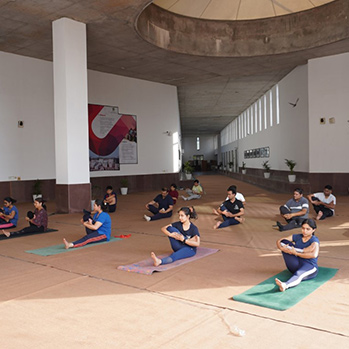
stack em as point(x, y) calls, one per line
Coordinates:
point(319, 215)
point(217, 225)
point(156, 260)
point(6, 233)
point(240, 219)
point(67, 244)
point(215, 212)
point(282, 285)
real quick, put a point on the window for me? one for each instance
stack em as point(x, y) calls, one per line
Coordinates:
point(271, 107)
point(265, 111)
point(277, 105)
point(260, 114)
point(251, 117)
point(247, 115)
point(198, 157)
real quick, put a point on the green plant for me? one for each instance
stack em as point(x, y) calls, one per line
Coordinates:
point(243, 165)
point(187, 168)
point(37, 187)
point(266, 166)
point(124, 182)
point(290, 164)
point(231, 164)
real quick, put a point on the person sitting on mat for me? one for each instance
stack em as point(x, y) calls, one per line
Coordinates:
point(8, 214)
point(37, 220)
point(161, 206)
point(110, 198)
point(183, 235)
point(193, 193)
point(323, 203)
point(98, 228)
point(300, 252)
point(294, 211)
point(173, 192)
point(238, 196)
point(231, 210)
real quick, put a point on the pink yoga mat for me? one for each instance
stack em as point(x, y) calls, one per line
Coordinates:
point(7, 225)
point(146, 266)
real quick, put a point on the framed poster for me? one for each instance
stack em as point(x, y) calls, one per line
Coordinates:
point(112, 138)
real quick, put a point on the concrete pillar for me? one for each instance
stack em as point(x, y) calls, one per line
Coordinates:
point(71, 116)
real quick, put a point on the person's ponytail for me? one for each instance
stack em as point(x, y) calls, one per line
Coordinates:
point(189, 211)
point(42, 201)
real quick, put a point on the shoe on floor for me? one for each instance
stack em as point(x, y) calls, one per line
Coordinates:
point(147, 218)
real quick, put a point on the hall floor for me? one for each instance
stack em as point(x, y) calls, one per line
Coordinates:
point(79, 299)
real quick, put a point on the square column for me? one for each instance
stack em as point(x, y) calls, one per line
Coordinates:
point(71, 116)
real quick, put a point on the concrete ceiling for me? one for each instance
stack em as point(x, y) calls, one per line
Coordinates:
point(212, 89)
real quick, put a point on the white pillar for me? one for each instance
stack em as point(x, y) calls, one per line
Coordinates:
point(70, 107)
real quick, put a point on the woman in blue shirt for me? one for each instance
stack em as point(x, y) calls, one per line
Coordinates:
point(183, 235)
point(300, 252)
point(9, 214)
point(98, 228)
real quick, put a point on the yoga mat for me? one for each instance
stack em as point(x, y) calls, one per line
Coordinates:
point(146, 266)
point(3, 237)
point(57, 249)
point(267, 293)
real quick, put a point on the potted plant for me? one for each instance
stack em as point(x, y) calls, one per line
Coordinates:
point(243, 168)
point(266, 167)
point(124, 186)
point(231, 164)
point(291, 165)
point(188, 170)
point(37, 189)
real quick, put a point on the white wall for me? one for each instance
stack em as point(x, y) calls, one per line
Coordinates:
point(156, 107)
point(207, 147)
point(328, 98)
point(289, 138)
point(26, 93)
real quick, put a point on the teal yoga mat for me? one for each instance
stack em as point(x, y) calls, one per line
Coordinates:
point(267, 294)
point(57, 249)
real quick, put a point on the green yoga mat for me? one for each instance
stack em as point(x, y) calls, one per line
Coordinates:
point(57, 249)
point(267, 294)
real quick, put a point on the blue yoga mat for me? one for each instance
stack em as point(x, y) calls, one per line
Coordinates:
point(267, 293)
point(57, 249)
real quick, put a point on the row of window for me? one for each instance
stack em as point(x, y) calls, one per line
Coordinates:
point(264, 113)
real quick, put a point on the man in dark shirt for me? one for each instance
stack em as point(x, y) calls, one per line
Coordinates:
point(161, 206)
point(232, 210)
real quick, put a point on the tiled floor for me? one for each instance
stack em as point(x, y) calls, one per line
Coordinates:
point(80, 300)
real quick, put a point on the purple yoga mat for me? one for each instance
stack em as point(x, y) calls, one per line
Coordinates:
point(146, 266)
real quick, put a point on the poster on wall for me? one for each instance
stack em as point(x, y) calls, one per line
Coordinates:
point(112, 138)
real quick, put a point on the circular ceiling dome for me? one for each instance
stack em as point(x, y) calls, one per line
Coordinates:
point(202, 27)
point(237, 9)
